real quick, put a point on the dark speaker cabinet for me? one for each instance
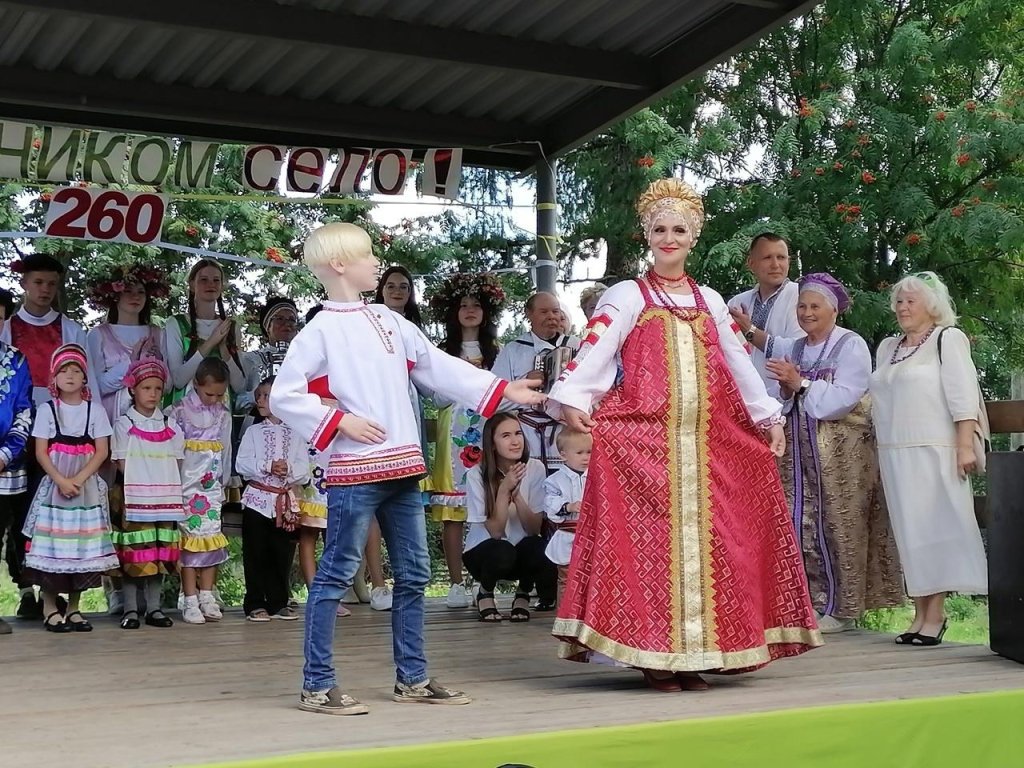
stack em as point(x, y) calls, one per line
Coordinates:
point(1005, 537)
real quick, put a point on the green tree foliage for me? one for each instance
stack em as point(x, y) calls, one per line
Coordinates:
point(880, 137)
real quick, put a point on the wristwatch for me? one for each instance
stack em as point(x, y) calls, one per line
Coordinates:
point(805, 384)
point(749, 333)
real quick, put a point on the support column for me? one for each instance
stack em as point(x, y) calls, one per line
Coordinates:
point(547, 226)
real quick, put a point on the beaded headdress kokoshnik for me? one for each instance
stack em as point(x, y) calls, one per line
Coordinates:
point(670, 197)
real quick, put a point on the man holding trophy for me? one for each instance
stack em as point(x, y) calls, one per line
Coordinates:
point(542, 353)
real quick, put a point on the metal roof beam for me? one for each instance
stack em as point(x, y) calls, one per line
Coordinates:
point(692, 54)
point(240, 117)
point(270, 21)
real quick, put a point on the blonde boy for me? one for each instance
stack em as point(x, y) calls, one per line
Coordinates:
point(563, 495)
point(365, 355)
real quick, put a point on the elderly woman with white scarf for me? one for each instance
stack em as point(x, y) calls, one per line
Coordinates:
point(831, 470)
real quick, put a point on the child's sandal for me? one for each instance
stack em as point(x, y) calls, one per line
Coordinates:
point(130, 620)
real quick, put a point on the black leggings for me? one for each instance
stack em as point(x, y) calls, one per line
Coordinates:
point(497, 560)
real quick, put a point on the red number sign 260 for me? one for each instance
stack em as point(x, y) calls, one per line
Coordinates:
point(106, 214)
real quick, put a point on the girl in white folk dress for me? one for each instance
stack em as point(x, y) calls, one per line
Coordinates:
point(125, 294)
point(205, 421)
point(69, 522)
point(148, 451)
point(927, 411)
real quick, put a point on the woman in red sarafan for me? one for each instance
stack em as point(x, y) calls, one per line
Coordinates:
point(685, 559)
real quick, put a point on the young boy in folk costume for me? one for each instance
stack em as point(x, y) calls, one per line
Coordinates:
point(275, 463)
point(37, 330)
point(368, 355)
point(15, 425)
point(563, 495)
point(148, 449)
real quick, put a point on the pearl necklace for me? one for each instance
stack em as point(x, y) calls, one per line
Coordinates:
point(913, 350)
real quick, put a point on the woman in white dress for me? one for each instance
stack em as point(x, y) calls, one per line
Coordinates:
point(927, 407)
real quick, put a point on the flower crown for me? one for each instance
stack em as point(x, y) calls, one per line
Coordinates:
point(104, 293)
point(484, 287)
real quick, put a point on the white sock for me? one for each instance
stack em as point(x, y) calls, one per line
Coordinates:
point(205, 596)
point(191, 601)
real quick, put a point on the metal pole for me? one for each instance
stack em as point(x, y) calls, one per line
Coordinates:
point(547, 225)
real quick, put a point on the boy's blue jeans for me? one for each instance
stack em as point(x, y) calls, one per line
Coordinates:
point(398, 506)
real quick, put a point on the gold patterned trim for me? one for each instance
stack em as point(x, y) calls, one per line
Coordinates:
point(589, 640)
point(704, 483)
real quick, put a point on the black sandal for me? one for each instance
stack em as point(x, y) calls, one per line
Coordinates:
point(907, 638)
point(60, 627)
point(161, 620)
point(487, 615)
point(130, 620)
point(78, 626)
point(928, 641)
point(518, 614)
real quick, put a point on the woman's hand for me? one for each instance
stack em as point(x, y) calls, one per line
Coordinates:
point(966, 461)
point(577, 420)
point(220, 333)
point(776, 436)
point(784, 372)
point(279, 468)
point(218, 339)
point(510, 483)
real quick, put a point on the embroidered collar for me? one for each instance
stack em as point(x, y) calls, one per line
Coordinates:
point(344, 306)
point(773, 294)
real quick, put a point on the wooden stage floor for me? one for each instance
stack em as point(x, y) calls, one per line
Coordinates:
point(203, 694)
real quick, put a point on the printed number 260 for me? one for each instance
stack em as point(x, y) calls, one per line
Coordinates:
point(107, 215)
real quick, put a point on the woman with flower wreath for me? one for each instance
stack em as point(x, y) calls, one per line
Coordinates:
point(468, 305)
point(126, 294)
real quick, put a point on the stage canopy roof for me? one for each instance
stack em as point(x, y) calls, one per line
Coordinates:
point(507, 80)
